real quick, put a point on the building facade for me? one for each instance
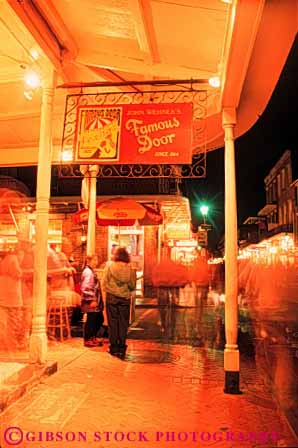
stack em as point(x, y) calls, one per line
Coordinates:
point(147, 244)
point(276, 230)
point(278, 210)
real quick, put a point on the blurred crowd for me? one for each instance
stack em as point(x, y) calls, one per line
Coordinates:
point(16, 290)
point(266, 286)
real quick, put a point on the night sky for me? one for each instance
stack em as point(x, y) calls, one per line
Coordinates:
point(256, 153)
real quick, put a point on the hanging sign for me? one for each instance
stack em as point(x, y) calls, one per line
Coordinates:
point(134, 134)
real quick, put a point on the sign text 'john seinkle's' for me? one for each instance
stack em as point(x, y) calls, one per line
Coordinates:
point(139, 134)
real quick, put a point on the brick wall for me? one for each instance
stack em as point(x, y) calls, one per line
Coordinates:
point(72, 243)
point(101, 244)
point(150, 258)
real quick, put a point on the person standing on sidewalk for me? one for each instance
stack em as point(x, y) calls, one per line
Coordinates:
point(92, 303)
point(118, 282)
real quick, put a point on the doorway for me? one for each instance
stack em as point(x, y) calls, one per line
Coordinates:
point(132, 238)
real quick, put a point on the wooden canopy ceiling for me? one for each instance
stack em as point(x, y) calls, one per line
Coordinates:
point(244, 42)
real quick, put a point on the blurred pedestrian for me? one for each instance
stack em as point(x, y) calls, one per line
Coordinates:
point(11, 298)
point(201, 278)
point(59, 269)
point(118, 282)
point(92, 302)
point(168, 277)
point(27, 266)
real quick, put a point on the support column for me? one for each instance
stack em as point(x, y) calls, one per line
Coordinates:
point(231, 352)
point(92, 172)
point(38, 339)
point(159, 247)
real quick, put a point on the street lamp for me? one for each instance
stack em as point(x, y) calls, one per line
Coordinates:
point(204, 210)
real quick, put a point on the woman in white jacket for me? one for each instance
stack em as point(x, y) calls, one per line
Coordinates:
point(92, 303)
point(118, 282)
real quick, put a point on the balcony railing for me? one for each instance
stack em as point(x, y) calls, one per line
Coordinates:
point(285, 228)
point(260, 235)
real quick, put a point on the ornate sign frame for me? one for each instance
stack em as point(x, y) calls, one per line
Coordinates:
point(195, 170)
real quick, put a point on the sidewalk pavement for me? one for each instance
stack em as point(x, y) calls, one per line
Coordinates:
point(160, 396)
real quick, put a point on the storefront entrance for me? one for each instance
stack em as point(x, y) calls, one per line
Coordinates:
point(132, 238)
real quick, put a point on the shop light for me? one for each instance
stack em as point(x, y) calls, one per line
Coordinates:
point(222, 298)
point(273, 250)
point(286, 242)
point(67, 155)
point(27, 208)
point(214, 81)
point(215, 260)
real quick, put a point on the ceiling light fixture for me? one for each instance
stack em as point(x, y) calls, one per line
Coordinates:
point(32, 79)
point(34, 53)
point(28, 94)
point(32, 82)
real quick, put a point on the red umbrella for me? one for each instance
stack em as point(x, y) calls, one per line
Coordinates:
point(121, 212)
point(120, 208)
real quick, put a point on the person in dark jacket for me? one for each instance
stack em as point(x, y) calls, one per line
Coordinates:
point(91, 302)
point(118, 282)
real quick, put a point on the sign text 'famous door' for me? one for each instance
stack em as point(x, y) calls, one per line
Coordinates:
point(138, 134)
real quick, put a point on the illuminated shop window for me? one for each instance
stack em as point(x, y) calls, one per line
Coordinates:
point(54, 234)
point(8, 238)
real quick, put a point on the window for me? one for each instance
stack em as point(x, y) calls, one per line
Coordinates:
point(274, 191)
point(278, 186)
point(8, 232)
point(289, 172)
point(290, 210)
point(8, 236)
point(270, 195)
point(286, 176)
point(55, 231)
point(284, 221)
point(283, 176)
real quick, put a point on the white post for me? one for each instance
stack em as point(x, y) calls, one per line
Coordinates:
point(38, 339)
point(92, 172)
point(231, 352)
point(159, 237)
